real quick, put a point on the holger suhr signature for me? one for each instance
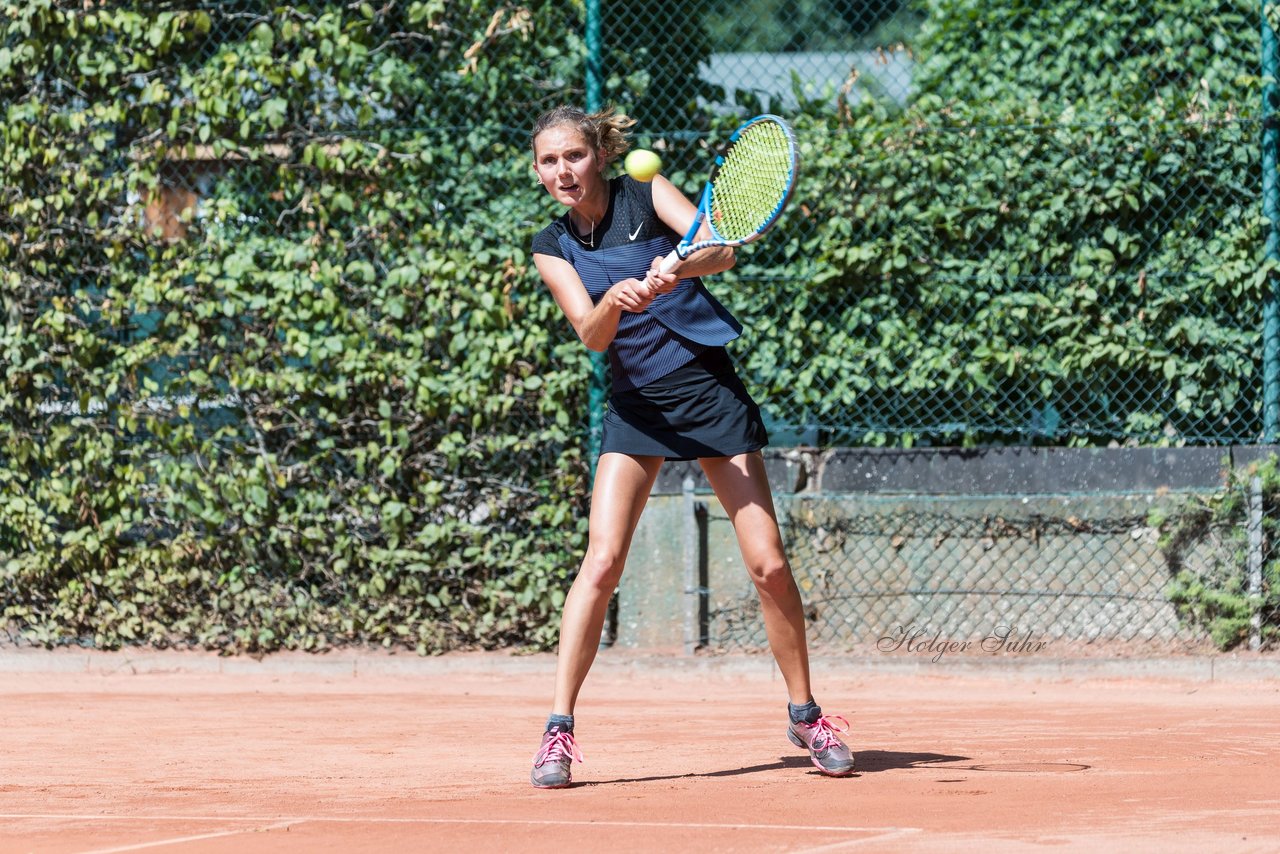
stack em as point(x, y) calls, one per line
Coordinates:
point(919, 641)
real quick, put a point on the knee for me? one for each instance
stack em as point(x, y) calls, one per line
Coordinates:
point(772, 575)
point(601, 569)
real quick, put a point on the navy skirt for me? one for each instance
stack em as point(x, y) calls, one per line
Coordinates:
point(699, 410)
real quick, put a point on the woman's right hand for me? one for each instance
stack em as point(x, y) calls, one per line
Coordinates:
point(660, 282)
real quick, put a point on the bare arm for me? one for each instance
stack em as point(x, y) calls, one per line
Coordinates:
point(596, 324)
point(677, 212)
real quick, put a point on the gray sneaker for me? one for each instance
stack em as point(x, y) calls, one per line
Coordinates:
point(826, 751)
point(551, 762)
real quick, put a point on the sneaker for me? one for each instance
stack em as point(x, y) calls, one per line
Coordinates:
point(827, 752)
point(551, 762)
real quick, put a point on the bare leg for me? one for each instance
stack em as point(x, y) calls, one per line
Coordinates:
point(743, 488)
point(621, 489)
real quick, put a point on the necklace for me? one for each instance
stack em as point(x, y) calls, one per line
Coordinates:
point(590, 240)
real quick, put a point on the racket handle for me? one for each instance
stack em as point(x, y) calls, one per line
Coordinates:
point(669, 263)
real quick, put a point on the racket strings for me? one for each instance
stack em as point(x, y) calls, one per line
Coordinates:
point(753, 182)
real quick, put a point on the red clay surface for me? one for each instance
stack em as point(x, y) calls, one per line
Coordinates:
point(433, 755)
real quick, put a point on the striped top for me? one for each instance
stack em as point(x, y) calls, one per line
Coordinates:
point(677, 326)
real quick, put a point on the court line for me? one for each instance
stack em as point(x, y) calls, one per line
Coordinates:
point(283, 820)
point(181, 839)
point(890, 833)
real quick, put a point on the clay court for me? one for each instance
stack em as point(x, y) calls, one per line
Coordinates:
point(194, 753)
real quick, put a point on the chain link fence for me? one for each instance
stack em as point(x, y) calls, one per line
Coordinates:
point(1138, 185)
point(1128, 320)
point(899, 572)
point(1016, 224)
point(1090, 552)
point(963, 575)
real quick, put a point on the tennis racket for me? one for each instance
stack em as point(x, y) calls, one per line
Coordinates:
point(748, 187)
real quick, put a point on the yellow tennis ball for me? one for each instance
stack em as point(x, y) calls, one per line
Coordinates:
point(642, 165)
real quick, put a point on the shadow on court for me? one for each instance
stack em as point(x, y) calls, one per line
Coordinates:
point(784, 762)
point(866, 761)
point(871, 761)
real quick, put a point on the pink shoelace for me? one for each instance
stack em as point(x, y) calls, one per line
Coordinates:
point(557, 748)
point(826, 730)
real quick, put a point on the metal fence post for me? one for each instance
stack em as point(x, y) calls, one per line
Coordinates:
point(1271, 211)
point(594, 85)
point(694, 527)
point(594, 93)
point(594, 98)
point(1255, 560)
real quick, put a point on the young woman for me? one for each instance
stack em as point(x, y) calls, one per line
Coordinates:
point(675, 396)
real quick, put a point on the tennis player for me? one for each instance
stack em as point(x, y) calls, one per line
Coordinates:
point(675, 396)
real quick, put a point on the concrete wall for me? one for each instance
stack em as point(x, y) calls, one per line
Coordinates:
point(1055, 542)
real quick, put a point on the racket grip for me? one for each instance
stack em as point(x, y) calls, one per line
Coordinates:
point(669, 263)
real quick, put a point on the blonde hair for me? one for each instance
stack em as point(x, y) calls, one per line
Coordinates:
point(605, 131)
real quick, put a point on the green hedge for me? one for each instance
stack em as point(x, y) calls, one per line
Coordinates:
point(1209, 549)
point(342, 409)
point(1058, 241)
point(1113, 290)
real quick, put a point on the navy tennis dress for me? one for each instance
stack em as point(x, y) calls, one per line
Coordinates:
point(675, 392)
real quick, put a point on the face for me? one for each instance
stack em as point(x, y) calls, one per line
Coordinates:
point(566, 166)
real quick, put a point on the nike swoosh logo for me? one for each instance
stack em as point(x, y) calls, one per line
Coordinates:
point(632, 235)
